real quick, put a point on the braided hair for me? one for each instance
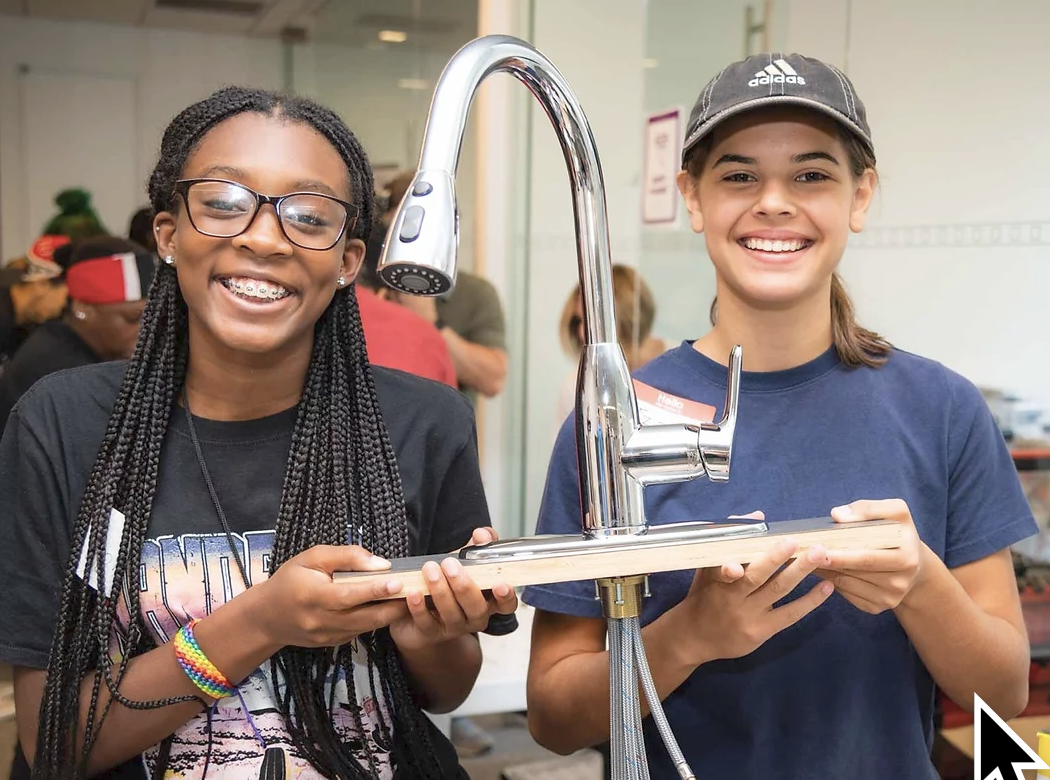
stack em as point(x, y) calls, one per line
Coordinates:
point(341, 474)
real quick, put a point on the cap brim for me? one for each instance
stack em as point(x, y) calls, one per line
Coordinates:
point(773, 100)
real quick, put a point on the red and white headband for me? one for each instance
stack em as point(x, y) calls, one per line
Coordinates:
point(109, 279)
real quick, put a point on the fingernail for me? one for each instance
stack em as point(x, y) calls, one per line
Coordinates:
point(501, 591)
point(393, 586)
point(432, 572)
point(844, 512)
point(452, 567)
point(817, 554)
point(826, 587)
point(414, 598)
point(787, 546)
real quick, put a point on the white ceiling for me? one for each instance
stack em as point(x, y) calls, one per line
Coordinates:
point(430, 24)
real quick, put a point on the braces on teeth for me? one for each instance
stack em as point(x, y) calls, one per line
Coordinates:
point(249, 289)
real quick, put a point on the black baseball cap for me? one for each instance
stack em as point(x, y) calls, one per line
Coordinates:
point(776, 80)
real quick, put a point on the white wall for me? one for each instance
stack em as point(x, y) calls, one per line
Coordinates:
point(167, 70)
point(164, 71)
point(362, 85)
point(954, 264)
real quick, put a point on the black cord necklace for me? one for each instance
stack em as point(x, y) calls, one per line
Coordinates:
point(240, 567)
point(211, 489)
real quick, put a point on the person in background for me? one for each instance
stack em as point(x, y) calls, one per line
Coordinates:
point(396, 336)
point(107, 282)
point(395, 193)
point(31, 292)
point(31, 289)
point(635, 314)
point(140, 229)
point(470, 318)
point(76, 217)
point(45, 260)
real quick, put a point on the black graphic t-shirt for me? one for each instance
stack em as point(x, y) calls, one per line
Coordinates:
point(187, 569)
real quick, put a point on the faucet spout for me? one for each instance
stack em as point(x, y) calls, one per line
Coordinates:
point(419, 257)
point(412, 246)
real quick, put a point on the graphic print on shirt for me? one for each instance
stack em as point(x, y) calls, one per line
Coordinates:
point(189, 576)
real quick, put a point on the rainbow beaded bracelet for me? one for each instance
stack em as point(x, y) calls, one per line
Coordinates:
point(197, 666)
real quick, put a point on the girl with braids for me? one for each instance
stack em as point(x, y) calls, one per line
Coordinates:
point(819, 665)
point(172, 522)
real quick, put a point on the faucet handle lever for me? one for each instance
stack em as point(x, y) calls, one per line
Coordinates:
point(716, 439)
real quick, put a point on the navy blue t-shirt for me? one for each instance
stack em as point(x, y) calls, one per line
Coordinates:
point(841, 694)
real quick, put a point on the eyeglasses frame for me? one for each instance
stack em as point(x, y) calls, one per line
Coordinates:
point(182, 188)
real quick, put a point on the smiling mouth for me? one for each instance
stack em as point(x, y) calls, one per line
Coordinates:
point(777, 246)
point(255, 290)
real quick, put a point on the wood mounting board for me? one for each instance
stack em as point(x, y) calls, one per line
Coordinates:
point(625, 560)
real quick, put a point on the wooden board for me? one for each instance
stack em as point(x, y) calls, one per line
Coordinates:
point(625, 561)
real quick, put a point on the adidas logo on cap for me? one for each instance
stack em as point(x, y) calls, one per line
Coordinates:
point(777, 73)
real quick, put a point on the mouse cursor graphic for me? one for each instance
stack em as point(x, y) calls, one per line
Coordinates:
point(999, 754)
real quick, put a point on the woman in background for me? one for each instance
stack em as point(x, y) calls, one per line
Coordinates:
point(635, 314)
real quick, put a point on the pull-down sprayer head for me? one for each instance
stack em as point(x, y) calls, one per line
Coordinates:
point(421, 245)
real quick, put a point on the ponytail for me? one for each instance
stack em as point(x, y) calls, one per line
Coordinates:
point(857, 346)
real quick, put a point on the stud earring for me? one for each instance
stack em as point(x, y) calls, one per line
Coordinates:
point(341, 281)
point(80, 315)
point(169, 260)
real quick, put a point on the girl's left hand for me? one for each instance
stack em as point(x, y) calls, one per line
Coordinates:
point(876, 580)
point(458, 606)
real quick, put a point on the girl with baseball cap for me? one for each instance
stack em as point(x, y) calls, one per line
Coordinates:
point(822, 665)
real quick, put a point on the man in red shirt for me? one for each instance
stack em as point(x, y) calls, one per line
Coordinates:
point(396, 336)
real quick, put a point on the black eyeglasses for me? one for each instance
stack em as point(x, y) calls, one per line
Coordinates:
point(224, 209)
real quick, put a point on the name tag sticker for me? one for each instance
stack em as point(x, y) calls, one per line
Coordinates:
point(113, 536)
point(655, 407)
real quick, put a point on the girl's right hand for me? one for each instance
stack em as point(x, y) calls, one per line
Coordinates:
point(730, 609)
point(302, 606)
